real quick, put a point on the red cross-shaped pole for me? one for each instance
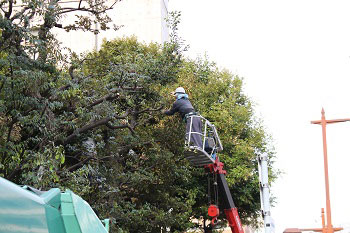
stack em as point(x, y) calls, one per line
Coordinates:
point(323, 122)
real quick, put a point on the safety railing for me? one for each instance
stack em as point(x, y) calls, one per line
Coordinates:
point(202, 135)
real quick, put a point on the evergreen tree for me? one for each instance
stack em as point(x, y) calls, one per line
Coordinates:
point(93, 125)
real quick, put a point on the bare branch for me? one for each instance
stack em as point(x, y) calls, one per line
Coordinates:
point(121, 127)
point(109, 97)
point(122, 116)
point(9, 12)
point(69, 9)
point(148, 110)
point(91, 9)
point(3, 81)
point(13, 122)
point(72, 75)
point(136, 88)
point(71, 71)
point(87, 128)
point(20, 14)
point(77, 165)
point(93, 125)
point(1, 4)
point(115, 2)
point(117, 126)
point(58, 25)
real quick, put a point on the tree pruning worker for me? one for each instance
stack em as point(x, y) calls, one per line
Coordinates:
point(183, 106)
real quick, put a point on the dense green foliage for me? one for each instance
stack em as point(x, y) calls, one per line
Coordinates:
point(94, 125)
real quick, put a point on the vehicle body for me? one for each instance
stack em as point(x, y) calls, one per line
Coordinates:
point(25, 209)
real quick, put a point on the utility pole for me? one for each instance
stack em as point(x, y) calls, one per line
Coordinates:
point(328, 228)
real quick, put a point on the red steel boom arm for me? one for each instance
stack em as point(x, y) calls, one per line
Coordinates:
point(226, 197)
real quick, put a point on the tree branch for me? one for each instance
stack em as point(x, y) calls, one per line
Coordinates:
point(17, 169)
point(86, 128)
point(2, 3)
point(93, 125)
point(9, 12)
point(3, 81)
point(115, 2)
point(148, 110)
point(20, 14)
point(13, 122)
point(121, 127)
point(69, 9)
point(109, 97)
point(77, 165)
point(74, 79)
point(131, 88)
point(117, 126)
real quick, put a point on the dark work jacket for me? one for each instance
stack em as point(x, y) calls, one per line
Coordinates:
point(182, 106)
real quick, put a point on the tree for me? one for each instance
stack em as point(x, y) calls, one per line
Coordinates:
point(218, 96)
point(74, 125)
point(94, 125)
point(31, 113)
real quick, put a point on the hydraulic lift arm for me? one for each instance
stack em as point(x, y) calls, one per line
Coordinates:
point(207, 156)
point(226, 197)
point(229, 206)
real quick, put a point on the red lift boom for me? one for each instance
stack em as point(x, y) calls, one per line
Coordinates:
point(206, 156)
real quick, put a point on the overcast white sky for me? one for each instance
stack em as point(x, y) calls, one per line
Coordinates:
point(295, 59)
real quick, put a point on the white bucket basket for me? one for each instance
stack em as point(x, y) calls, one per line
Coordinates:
point(202, 141)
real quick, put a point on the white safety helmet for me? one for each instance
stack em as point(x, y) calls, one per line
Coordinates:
point(180, 90)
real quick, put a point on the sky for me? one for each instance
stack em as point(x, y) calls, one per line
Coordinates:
point(294, 57)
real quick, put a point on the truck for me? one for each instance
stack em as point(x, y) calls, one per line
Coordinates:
point(26, 209)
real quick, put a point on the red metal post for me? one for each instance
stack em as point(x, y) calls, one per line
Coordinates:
point(328, 201)
point(324, 229)
point(329, 227)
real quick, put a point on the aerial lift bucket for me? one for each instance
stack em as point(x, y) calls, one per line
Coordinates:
point(205, 153)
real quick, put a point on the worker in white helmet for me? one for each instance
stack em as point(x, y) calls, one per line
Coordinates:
point(183, 106)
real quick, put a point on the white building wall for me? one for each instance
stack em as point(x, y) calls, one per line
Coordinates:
point(143, 18)
point(164, 15)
